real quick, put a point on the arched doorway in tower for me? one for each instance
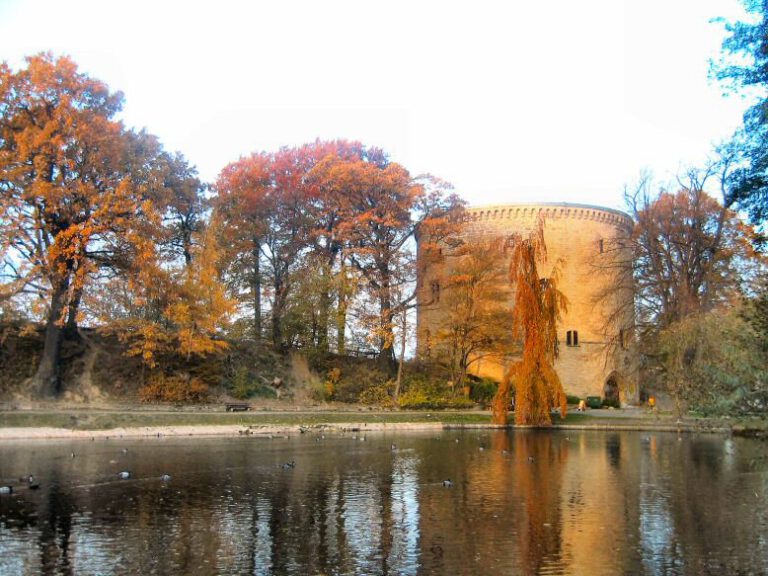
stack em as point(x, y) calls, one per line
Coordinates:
point(611, 390)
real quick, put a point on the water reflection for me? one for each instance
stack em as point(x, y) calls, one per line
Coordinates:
point(520, 502)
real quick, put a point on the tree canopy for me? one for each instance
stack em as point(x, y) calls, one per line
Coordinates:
point(744, 67)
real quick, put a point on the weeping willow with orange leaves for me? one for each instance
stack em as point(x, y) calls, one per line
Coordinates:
point(538, 305)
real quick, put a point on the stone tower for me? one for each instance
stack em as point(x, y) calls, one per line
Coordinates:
point(593, 335)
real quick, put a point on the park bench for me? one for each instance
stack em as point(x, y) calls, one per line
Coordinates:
point(237, 406)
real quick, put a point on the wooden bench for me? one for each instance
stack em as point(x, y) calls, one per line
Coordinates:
point(237, 407)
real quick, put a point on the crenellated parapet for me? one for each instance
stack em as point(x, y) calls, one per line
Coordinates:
point(549, 211)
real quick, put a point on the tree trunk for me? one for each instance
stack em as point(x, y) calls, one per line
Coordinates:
point(278, 305)
point(46, 381)
point(386, 336)
point(74, 308)
point(256, 291)
point(341, 310)
point(500, 404)
point(322, 313)
point(401, 362)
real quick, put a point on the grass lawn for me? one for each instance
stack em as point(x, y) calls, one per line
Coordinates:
point(83, 420)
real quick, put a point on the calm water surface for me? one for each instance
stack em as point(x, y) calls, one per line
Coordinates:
point(520, 503)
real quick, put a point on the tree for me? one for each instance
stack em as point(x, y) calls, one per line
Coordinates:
point(382, 209)
point(185, 206)
point(686, 257)
point(77, 190)
point(476, 321)
point(240, 204)
point(537, 308)
point(164, 307)
point(277, 212)
point(689, 253)
point(744, 67)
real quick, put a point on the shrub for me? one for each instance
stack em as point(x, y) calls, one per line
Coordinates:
point(611, 403)
point(174, 388)
point(241, 385)
point(594, 401)
point(483, 391)
point(572, 399)
point(379, 395)
point(331, 381)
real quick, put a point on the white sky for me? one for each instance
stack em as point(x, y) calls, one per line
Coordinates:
point(510, 101)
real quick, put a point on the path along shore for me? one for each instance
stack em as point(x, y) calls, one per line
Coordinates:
point(104, 424)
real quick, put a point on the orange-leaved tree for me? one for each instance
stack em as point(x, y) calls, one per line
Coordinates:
point(538, 304)
point(382, 209)
point(76, 191)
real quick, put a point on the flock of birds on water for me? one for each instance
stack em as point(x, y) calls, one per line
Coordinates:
point(31, 483)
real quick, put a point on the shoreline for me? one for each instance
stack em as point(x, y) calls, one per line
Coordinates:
point(267, 430)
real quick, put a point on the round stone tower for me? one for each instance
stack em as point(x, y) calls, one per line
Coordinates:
point(593, 335)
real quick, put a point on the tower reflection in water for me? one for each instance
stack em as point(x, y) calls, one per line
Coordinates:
point(529, 502)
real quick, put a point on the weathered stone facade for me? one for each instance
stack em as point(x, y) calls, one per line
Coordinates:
point(586, 239)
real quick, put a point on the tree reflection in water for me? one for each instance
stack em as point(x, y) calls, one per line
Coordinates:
point(530, 502)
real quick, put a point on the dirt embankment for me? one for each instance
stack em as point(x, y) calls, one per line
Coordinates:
point(96, 369)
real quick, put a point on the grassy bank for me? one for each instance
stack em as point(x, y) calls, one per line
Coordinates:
point(135, 417)
point(106, 420)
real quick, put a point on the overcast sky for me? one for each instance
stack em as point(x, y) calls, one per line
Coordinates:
point(509, 101)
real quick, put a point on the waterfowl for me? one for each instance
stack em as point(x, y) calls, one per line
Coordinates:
point(447, 483)
point(289, 465)
point(6, 489)
point(165, 477)
point(124, 475)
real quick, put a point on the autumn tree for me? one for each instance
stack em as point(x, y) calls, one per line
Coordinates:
point(185, 206)
point(165, 307)
point(241, 204)
point(276, 214)
point(476, 321)
point(689, 253)
point(538, 305)
point(686, 257)
point(77, 190)
point(382, 209)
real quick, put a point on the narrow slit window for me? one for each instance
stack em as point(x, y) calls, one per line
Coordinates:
point(602, 246)
point(572, 338)
point(575, 337)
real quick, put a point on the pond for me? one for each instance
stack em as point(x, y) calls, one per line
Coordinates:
point(518, 502)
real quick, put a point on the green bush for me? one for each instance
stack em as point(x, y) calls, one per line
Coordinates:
point(242, 386)
point(483, 391)
point(594, 401)
point(572, 399)
point(611, 403)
